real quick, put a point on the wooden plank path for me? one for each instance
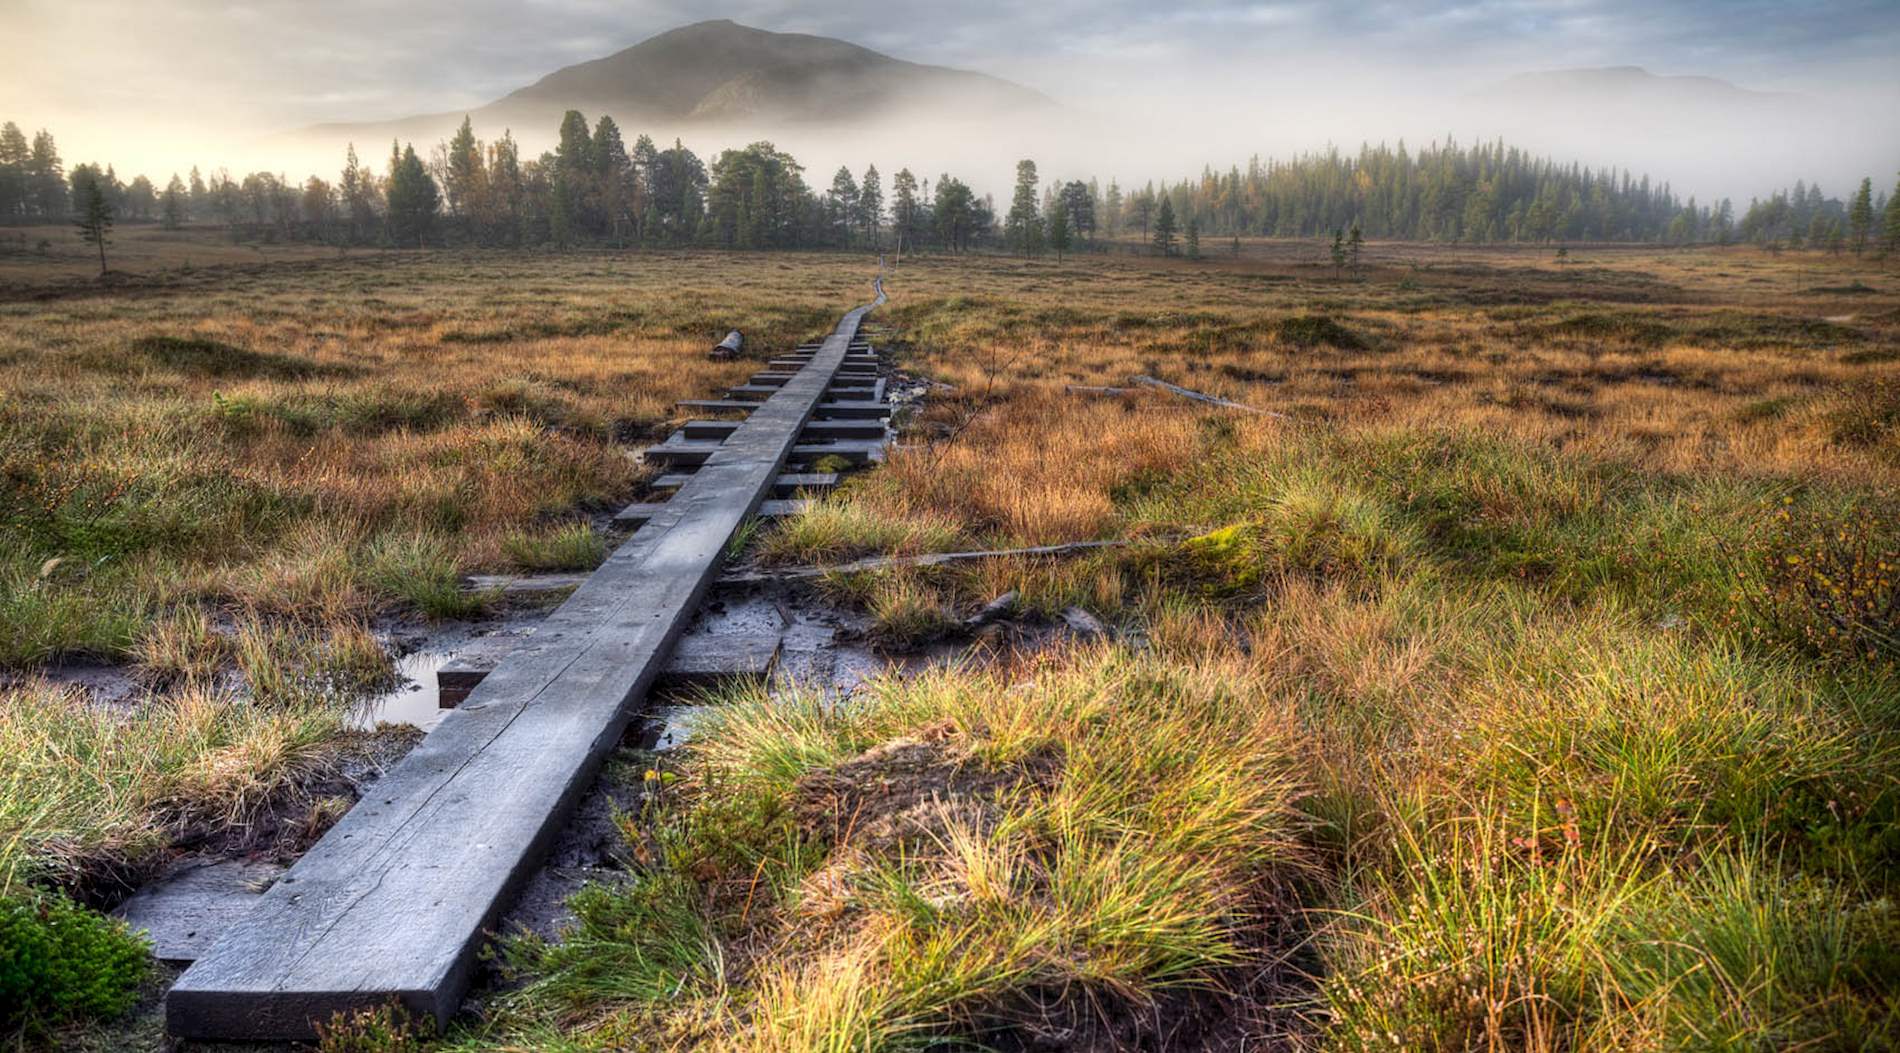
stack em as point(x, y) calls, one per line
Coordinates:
point(394, 902)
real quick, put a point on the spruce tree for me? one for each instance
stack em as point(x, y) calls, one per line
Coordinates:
point(1860, 216)
point(1355, 242)
point(94, 218)
point(904, 210)
point(1059, 231)
point(1893, 219)
point(1023, 226)
point(413, 200)
point(171, 204)
point(1192, 239)
point(841, 206)
point(871, 206)
point(1163, 236)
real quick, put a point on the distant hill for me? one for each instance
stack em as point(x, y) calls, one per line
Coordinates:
point(722, 73)
point(1620, 87)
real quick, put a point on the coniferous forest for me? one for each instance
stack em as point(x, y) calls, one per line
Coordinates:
point(594, 188)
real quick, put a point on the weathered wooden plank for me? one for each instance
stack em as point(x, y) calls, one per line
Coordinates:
point(696, 430)
point(696, 660)
point(786, 485)
point(393, 903)
point(718, 404)
point(856, 451)
point(637, 514)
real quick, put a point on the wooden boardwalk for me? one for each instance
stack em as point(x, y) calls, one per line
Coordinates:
point(395, 901)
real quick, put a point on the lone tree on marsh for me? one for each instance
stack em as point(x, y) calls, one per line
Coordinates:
point(1023, 225)
point(1193, 238)
point(94, 219)
point(1355, 242)
point(1164, 226)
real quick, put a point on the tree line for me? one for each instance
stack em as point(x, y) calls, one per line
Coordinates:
point(592, 188)
point(595, 189)
point(1483, 193)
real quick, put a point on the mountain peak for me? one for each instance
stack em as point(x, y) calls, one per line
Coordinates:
point(719, 70)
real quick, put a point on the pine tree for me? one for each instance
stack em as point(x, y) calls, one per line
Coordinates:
point(904, 210)
point(1059, 231)
point(871, 206)
point(1164, 227)
point(1860, 216)
point(1192, 239)
point(171, 204)
point(1023, 226)
point(841, 206)
point(94, 218)
point(610, 193)
point(413, 200)
point(1355, 242)
point(1893, 219)
point(1112, 209)
point(46, 178)
point(465, 179)
point(14, 153)
point(1339, 251)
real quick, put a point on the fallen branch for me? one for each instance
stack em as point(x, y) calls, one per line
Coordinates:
point(1089, 389)
point(1212, 400)
point(757, 577)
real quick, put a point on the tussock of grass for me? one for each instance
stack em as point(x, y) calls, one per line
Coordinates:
point(422, 571)
point(833, 529)
point(84, 790)
point(572, 546)
point(1099, 822)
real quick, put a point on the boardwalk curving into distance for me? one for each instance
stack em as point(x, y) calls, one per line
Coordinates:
point(394, 902)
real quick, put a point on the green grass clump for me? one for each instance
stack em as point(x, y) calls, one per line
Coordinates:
point(572, 546)
point(833, 529)
point(85, 791)
point(50, 610)
point(422, 571)
point(60, 962)
point(1464, 943)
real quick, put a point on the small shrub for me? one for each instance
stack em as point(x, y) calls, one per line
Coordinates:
point(385, 1029)
point(61, 962)
point(1871, 418)
point(1313, 330)
point(1829, 581)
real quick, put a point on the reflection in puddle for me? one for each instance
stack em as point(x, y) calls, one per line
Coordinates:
point(414, 698)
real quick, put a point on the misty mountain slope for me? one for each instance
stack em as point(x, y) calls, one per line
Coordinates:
point(723, 73)
point(1626, 85)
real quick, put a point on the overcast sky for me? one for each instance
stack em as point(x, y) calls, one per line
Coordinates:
point(127, 79)
point(298, 61)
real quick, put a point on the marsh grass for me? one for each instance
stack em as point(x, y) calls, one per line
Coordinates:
point(1584, 759)
point(88, 792)
point(1095, 821)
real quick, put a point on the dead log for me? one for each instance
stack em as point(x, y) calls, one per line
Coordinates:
point(1201, 396)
